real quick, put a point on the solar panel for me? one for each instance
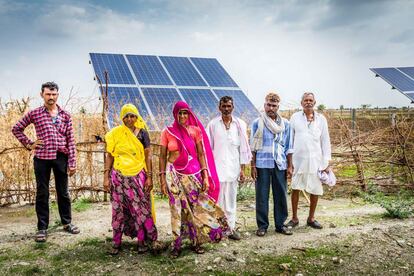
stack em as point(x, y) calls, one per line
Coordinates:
point(118, 96)
point(161, 101)
point(213, 72)
point(182, 71)
point(401, 78)
point(407, 70)
point(243, 108)
point(155, 83)
point(113, 64)
point(148, 70)
point(203, 103)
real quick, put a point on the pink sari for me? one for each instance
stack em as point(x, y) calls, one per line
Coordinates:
point(187, 162)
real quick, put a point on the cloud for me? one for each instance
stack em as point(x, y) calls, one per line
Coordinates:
point(86, 22)
point(207, 37)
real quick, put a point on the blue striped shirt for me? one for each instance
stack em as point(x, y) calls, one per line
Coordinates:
point(275, 147)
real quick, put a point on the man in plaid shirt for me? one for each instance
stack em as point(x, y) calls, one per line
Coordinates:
point(54, 150)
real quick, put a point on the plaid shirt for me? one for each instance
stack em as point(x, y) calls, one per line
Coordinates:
point(56, 137)
point(275, 147)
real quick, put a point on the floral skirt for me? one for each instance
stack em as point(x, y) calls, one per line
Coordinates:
point(193, 213)
point(131, 208)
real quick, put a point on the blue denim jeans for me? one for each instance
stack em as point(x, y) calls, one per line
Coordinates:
point(277, 179)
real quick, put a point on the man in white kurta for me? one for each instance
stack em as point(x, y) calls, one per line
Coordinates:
point(228, 139)
point(311, 149)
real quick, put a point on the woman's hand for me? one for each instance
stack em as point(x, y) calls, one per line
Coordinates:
point(106, 182)
point(163, 186)
point(148, 185)
point(205, 184)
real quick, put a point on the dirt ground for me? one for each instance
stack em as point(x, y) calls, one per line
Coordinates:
point(356, 239)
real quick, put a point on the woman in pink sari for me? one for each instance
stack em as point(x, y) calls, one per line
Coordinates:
point(188, 176)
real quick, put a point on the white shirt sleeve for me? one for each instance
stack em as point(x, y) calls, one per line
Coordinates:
point(210, 134)
point(325, 143)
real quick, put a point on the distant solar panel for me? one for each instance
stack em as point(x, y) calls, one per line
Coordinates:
point(182, 71)
point(213, 72)
point(115, 64)
point(155, 83)
point(408, 71)
point(401, 78)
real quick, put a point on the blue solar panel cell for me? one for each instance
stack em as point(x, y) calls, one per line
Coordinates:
point(118, 96)
point(161, 102)
point(182, 71)
point(395, 78)
point(243, 108)
point(115, 65)
point(148, 70)
point(410, 95)
point(407, 70)
point(203, 103)
point(213, 72)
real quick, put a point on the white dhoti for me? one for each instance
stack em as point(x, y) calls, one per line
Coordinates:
point(307, 182)
point(228, 201)
point(311, 152)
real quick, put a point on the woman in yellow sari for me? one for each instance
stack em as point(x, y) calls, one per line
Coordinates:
point(128, 178)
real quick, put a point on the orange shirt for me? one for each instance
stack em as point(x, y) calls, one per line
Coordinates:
point(170, 142)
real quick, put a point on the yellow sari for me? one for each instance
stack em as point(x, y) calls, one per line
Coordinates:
point(127, 150)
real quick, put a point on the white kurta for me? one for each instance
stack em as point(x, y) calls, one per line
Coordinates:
point(311, 151)
point(225, 144)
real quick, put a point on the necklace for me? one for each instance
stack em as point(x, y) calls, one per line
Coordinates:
point(227, 125)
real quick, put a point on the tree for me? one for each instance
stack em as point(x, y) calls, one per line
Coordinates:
point(321, 107)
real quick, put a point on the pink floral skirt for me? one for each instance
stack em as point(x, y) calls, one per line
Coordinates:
point(131, 208)
point(193, 213)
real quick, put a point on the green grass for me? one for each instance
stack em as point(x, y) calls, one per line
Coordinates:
point(246, 193)
point(346, 171)
point(82, 204)
point(400, 205)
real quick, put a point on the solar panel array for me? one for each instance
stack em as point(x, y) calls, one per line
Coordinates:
point(155, 83)
point(400, 78)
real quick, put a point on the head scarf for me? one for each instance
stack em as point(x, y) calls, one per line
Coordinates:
point(132, 109)
point(187, 162)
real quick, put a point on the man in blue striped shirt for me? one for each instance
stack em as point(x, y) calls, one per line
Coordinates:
point(270, 147)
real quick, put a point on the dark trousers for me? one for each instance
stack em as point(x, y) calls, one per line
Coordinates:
point(276, 178)
point(42, 170)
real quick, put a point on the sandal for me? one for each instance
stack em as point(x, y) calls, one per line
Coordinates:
point(198, 249)
point(261, 232)
point(142, 249)
point(156, 247)
point(114, 250)
point(292, 224)
point(41, 236)
point(70, 228)
point(175, 253)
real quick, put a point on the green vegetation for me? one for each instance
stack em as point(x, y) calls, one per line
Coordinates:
point(82, 204)
point(400, 205)
point(246, 192)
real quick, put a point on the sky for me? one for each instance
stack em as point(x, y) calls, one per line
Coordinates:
point(287, 46)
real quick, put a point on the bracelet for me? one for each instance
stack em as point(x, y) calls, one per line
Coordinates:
point(149, 174)
point(105, 170)
point(203, 169)
point(161, 173)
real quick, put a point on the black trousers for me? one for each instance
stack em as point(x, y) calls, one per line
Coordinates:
point(43, 168)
